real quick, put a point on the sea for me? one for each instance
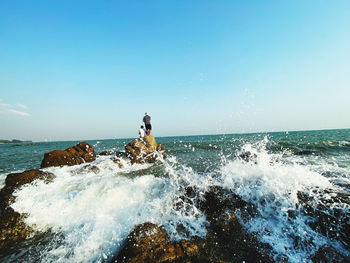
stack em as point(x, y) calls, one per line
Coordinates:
point(298, 183)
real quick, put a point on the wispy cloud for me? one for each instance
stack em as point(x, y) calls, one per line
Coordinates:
point(6, 108)
point(22, 106)
point(21, 113)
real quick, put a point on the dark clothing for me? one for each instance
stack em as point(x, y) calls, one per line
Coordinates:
point(147, 120)
point(148, 127)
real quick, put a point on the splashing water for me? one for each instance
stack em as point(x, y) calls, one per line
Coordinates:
point(272, 184)
point(88, 210)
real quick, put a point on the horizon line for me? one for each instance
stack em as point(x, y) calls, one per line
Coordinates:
point(214, 134)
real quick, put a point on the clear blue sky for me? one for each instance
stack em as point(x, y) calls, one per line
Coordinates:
point(90, 69)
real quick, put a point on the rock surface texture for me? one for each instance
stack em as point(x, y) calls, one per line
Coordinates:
point(226, 240)
point(15, 181)
point(144, 149)
point(78, 154)
point(150, 243)
point(12, 227)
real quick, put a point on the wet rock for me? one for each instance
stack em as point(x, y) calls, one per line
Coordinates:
point(328, 218)
point(217, 201)
point(105, 153)
point(121, 155)
point(226, 239)
point(12, 229)
point(16, 180)
point(141, 242)
point(148, 243)
point(248, 156)
point(121, 162)
point(328, 254)
point(87, 169)
point(144, 149)
point(78, 154)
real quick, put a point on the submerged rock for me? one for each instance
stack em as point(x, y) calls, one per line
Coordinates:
point(333, 223)
point(78, 154)
point(305, 152)
point(248, 156)
point(105, 153)
point(329, 254)
point(144, 149)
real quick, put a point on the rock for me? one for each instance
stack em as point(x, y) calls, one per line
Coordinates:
point(81, 153)
point(248, 156)
point(121, 162)
point(327, 254)
point(121, 154)
point(105, 153)
point(334, 224)
point(141, 241)
point(226, 239)
point(148, 243)
point(144, 149)
point(16, 180)
point(12, 227)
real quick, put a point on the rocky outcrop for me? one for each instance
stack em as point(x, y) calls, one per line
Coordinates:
point(148, 243)
point(334, 224)
point(144, 149)
point(226, 240)
point(12, 227)
point(78, 154)
point(16, 180)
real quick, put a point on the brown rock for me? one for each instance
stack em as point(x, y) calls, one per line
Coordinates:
point(144, 149)
point(105, 153)
point(189, 248)
point(16, 180)
point(78, 154)
point(227, 239)
point(148, 243)
point(142, 240)
point(12, 229)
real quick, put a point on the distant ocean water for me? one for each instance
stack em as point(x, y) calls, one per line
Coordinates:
point(89, 213)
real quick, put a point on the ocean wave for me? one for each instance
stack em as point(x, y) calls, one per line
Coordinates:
point(89, 209)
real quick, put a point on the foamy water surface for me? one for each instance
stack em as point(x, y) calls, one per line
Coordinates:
point(89, 209)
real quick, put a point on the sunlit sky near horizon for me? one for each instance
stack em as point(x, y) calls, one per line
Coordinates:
point(90, 69)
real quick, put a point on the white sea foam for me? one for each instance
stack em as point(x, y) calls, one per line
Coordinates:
point(94, 210)
point(271, 184)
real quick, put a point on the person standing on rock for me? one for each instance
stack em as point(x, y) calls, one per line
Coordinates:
point(147, 121)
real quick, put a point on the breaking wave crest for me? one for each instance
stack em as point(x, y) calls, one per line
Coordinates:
point(88, 210)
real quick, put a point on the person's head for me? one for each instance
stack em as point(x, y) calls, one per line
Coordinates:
point(141, 126)
point(146, 113)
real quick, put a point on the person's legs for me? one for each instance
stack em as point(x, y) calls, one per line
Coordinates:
point(148, 129)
